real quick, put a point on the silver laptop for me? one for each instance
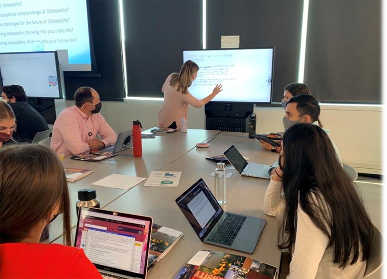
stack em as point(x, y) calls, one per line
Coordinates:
point(116, 243)
point(124, 141)
point(215, 226)
point(243, 167)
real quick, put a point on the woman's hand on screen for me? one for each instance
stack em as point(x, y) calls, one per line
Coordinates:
point(218, 88)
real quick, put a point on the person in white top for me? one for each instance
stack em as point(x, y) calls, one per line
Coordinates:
point(177, 96)
point(324, 223)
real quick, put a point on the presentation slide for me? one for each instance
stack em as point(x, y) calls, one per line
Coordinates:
point(47, 25)
point(35, 71)
point(246, 74)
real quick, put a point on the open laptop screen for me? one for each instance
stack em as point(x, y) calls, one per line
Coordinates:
point(116, 242)
point(235, 158)
point(200, 208)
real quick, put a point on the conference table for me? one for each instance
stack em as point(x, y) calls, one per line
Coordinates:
point(177, 152)
point(157, 152)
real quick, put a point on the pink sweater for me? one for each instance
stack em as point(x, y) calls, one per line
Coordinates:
point(72, 130)
point(175, 105)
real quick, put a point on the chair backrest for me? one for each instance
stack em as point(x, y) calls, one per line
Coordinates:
point(45, 141)
point(41, 135)
point(375, 260)
point(352, 173)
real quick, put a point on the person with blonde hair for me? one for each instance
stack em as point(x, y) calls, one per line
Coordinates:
point(33, 191)
point(7, 123)
point(177, 96)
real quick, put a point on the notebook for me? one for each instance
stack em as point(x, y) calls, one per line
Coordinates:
point(116, 243)
point(243, 167)
point(215, 226)
point(124, 141)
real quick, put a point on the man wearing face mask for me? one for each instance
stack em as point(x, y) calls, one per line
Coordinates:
point(305, 109)
point(290, 91)
point(76, 128)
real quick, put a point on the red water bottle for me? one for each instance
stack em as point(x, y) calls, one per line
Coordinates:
point(136, 134)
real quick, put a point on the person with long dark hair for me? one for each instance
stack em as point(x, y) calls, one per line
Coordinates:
point(324, 223)
point(177, 96)
point(33, 191)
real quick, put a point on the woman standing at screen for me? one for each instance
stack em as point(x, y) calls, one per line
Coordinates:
point(177, 96)
point(324, 223)
point(33, 191)
point(7, 123)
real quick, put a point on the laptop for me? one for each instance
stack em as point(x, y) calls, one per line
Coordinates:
point(243, 167)
point(124, 141)
point(116, 243)
point(215, 226)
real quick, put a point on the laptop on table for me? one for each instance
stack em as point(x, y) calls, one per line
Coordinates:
point(124, 141)
point(215, 226)
point(243, 167)
point(116, 243)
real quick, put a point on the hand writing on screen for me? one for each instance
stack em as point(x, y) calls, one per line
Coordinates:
point(217, 88)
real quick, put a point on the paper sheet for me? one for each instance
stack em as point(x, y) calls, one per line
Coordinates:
point(199, 258)
point(163, 179)
point(170, 231)
point(229, 42)
point(119, 181)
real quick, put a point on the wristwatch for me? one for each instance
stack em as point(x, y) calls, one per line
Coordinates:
point(274, 149)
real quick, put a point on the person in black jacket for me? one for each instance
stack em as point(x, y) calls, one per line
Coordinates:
point(28, 120)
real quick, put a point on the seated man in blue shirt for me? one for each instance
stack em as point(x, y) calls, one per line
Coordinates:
point(28, 120)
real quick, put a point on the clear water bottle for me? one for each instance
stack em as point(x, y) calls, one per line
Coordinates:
point(220, 184)
point(183, 126)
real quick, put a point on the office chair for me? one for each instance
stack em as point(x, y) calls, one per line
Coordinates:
point(375, 260)
point(352, 173)
point(41, 135)
point(45, 141)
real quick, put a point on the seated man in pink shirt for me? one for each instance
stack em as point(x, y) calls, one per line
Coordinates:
point(76, 128)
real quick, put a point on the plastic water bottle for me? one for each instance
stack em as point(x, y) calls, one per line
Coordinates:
point(136, 134)
point(220, 184)
point(87, 198)
point(183, 126)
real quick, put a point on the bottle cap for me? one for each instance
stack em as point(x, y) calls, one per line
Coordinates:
point(137, 122)
point(87, 194)
point(220, 165)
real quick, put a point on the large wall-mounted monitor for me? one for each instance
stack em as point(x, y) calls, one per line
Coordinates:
point(37, 72)
point(47, 25)
point(246, 74)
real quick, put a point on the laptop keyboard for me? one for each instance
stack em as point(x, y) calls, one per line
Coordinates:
point(228, 230)
point(110, 276)
point(253, 169)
